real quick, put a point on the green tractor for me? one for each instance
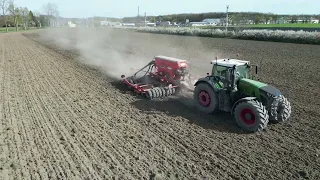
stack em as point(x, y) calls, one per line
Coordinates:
point(230, 88)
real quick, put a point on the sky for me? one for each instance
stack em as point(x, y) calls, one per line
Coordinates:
point(129, 8)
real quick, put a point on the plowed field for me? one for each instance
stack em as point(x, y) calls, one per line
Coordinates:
point(62, 119)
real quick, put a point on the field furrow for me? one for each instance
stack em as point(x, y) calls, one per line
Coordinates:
point(63, 119)
point(56, 110)
point(4, 149)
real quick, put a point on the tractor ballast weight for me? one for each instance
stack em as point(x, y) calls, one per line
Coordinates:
point(163, 76)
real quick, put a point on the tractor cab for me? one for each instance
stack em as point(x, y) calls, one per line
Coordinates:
point(228, 71)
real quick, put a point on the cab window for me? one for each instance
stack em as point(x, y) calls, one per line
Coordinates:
point(220, 70)
point(242, 71)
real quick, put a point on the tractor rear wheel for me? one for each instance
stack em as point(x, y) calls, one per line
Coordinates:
point(205, 98)
point(251, 116)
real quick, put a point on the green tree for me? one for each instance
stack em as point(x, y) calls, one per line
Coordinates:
point(31, 18)
point(44, 21)
point(36, 19)
point(275, 18)
point(257, 20)
point(267, 18)
point(294, 19)
point(202, 17)
point(4, 9)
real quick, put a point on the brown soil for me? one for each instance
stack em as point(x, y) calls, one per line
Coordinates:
point(65, 120)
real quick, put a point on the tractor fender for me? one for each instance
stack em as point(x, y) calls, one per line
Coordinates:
point(241, 100)
point(208, 81)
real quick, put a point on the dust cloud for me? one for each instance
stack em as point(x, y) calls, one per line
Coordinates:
point(95, 48)
point(117, 53)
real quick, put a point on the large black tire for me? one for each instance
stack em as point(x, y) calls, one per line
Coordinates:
point(154, 93)
point(251, 116)
point(283, 110)
point(160, 95)
point(205, 98)
point(163, 91)
point(149, 95)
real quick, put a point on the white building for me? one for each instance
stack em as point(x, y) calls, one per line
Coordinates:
point(165, 23)
point(128, 24)
point(70, 24)
point(314, 21)
point(109, 23)
point(198, 24)
point(151, 24)
point(212, 22)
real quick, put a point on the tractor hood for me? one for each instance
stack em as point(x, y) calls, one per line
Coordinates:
point(250, 85)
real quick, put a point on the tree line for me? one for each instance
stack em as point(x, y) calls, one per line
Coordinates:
point(13, 15)
point(234, 17)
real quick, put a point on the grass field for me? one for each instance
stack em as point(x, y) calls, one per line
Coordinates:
point(297, 25)
point(271, 26)
point(10, 29)
point(13, 29)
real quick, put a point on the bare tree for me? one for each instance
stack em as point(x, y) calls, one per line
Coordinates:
point(56, 14)
point(25, 17)
point(15, 14)
point(4, 8)
point(52, 13)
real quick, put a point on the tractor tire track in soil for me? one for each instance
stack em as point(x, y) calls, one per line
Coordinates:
point(61, 119)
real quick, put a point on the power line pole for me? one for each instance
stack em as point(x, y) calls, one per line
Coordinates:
point(227, 19)
point(145, 19)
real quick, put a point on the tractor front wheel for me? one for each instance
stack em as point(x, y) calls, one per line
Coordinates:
point(251, 116)
point(206, 99)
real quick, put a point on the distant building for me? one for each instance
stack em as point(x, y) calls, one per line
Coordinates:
point(212, 22)
point(109, 23)
point(282, 20)
point(164, 23)
point(198, 24)
point(128, 24)
point(104, 23)
point(70, 24)
point(151, 24)
point(314, 21)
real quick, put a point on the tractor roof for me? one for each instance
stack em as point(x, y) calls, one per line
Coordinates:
point(229, 62)
point(170, 58)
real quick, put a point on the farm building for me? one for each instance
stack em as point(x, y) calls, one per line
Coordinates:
point(128, 24)
point(164, 23)
point(212, 22)
point(198, 24)
point(109, 23)
point(314, 21)
point(151, 24)
point(70, 24)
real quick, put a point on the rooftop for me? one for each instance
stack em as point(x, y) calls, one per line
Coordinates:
point(216, 21)
point(230, 62)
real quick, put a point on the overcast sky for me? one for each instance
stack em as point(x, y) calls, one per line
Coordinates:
point(125, 8)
